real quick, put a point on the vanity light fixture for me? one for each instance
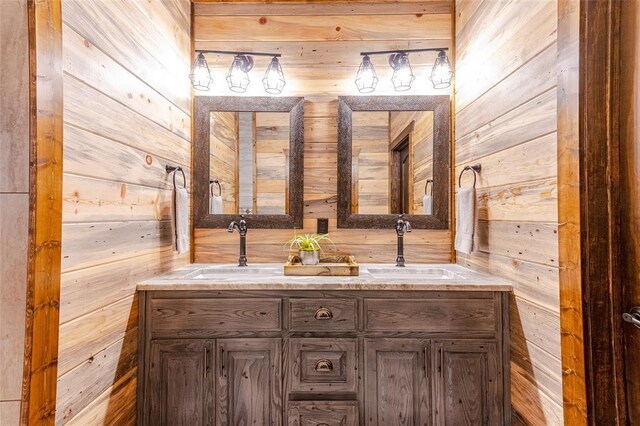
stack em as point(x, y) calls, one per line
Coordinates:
point(273, 80)
point(238, 75)
point(403, 77)
point(366, 79)
point(200, 75)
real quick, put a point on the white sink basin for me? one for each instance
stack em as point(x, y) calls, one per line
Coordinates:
point(249, 272)
point(421, 272)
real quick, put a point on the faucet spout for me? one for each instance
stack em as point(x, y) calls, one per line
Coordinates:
point(402, 227)
point(242, 230)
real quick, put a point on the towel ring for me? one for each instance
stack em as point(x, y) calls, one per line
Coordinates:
point(476, 168)
point(212, 181)
point(175, 170)
point(429, 181)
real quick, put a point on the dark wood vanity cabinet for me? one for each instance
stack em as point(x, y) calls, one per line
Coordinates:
point(310, 358)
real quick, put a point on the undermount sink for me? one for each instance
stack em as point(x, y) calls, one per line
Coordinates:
point(233, 272)
point(422, 272)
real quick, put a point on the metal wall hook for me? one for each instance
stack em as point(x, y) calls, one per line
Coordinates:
point(475, 168)
point(174, 170)
point(211, 182)
point(426, 185)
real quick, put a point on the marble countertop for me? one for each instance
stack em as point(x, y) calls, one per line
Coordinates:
point(422, 277)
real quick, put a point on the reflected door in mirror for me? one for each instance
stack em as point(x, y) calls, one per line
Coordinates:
point(249, 163)
point(392, 158)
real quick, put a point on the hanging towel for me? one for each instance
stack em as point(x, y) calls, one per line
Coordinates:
point(465, 219)
point(215, 204)
point(427, 202)
point(181, 219)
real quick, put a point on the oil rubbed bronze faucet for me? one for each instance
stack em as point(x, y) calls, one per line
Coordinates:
point(402, 226)
point(242, 230)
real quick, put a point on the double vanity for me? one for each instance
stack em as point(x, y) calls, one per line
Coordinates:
point(419, 345)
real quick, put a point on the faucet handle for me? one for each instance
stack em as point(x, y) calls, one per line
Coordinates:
point(407, 226)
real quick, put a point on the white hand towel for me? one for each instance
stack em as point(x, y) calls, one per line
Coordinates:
point(465, 219)
point(427, 202)
point(215, 204)
point(181, 219)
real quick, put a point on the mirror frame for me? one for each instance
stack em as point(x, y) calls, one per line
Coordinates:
point(440, 105)
point(203, 107)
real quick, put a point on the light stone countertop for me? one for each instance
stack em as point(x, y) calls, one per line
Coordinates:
point(270, 276)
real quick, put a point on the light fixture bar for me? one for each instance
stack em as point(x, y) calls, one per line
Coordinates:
point(388, 52)
point(226, 52)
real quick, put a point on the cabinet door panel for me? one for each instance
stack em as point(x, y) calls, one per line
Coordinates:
point(180, 384)
point(249, 384)
point(467, 387)
point(397, 390)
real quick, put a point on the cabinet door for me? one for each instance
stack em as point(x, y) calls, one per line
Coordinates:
point(180, 383)
point(468, 388)
point(397, 385)
point(249, 386)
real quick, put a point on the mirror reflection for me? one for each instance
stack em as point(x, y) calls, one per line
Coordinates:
point(392, 162)
point(249, 163)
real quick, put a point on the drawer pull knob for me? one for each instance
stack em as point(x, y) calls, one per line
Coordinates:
point(322, 424)
point(324, 314)
point(324, 366)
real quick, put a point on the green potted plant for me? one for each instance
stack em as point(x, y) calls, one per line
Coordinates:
point(308, 246)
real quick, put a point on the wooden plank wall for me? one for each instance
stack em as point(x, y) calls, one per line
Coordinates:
point(506, 119)
point(421, 149)
point(223, 146)
point(370, 140)
point(320, 47)
point(272, 160)
point(126, 115)
point(14, 201)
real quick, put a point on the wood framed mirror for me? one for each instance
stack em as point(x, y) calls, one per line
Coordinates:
point(394, 157)
point(249, 161)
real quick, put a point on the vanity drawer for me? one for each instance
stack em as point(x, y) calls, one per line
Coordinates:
point(431, 315)
point(323, 314)
point(323, 413)
point(191, 315)
point(323, 365)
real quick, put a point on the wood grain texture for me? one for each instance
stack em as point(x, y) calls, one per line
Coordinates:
point(330, 413)
point(249, 389)
point(46, 156)
point(319, 64)
point(630, 185)
point(126, 115)
point(15, 147)
point(506, 118)
point(397, 390)
point(570, 262)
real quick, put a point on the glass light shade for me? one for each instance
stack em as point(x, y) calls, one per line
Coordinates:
point(200, 76)
point(273, 80)
point(402, 77)
point(238, 77)
point(441, 74)
point(366, 79)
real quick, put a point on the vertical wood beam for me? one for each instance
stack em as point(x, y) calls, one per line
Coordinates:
point(45, 218)
point(599, 145)
point(571, 324)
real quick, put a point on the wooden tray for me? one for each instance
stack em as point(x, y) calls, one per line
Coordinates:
point(335, 266)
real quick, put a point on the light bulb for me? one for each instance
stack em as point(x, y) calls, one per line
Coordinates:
point(200, 76)
point(273, 80)
point(441, 74)
point(238, 77)
point(366, 79)
point(403, 77)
